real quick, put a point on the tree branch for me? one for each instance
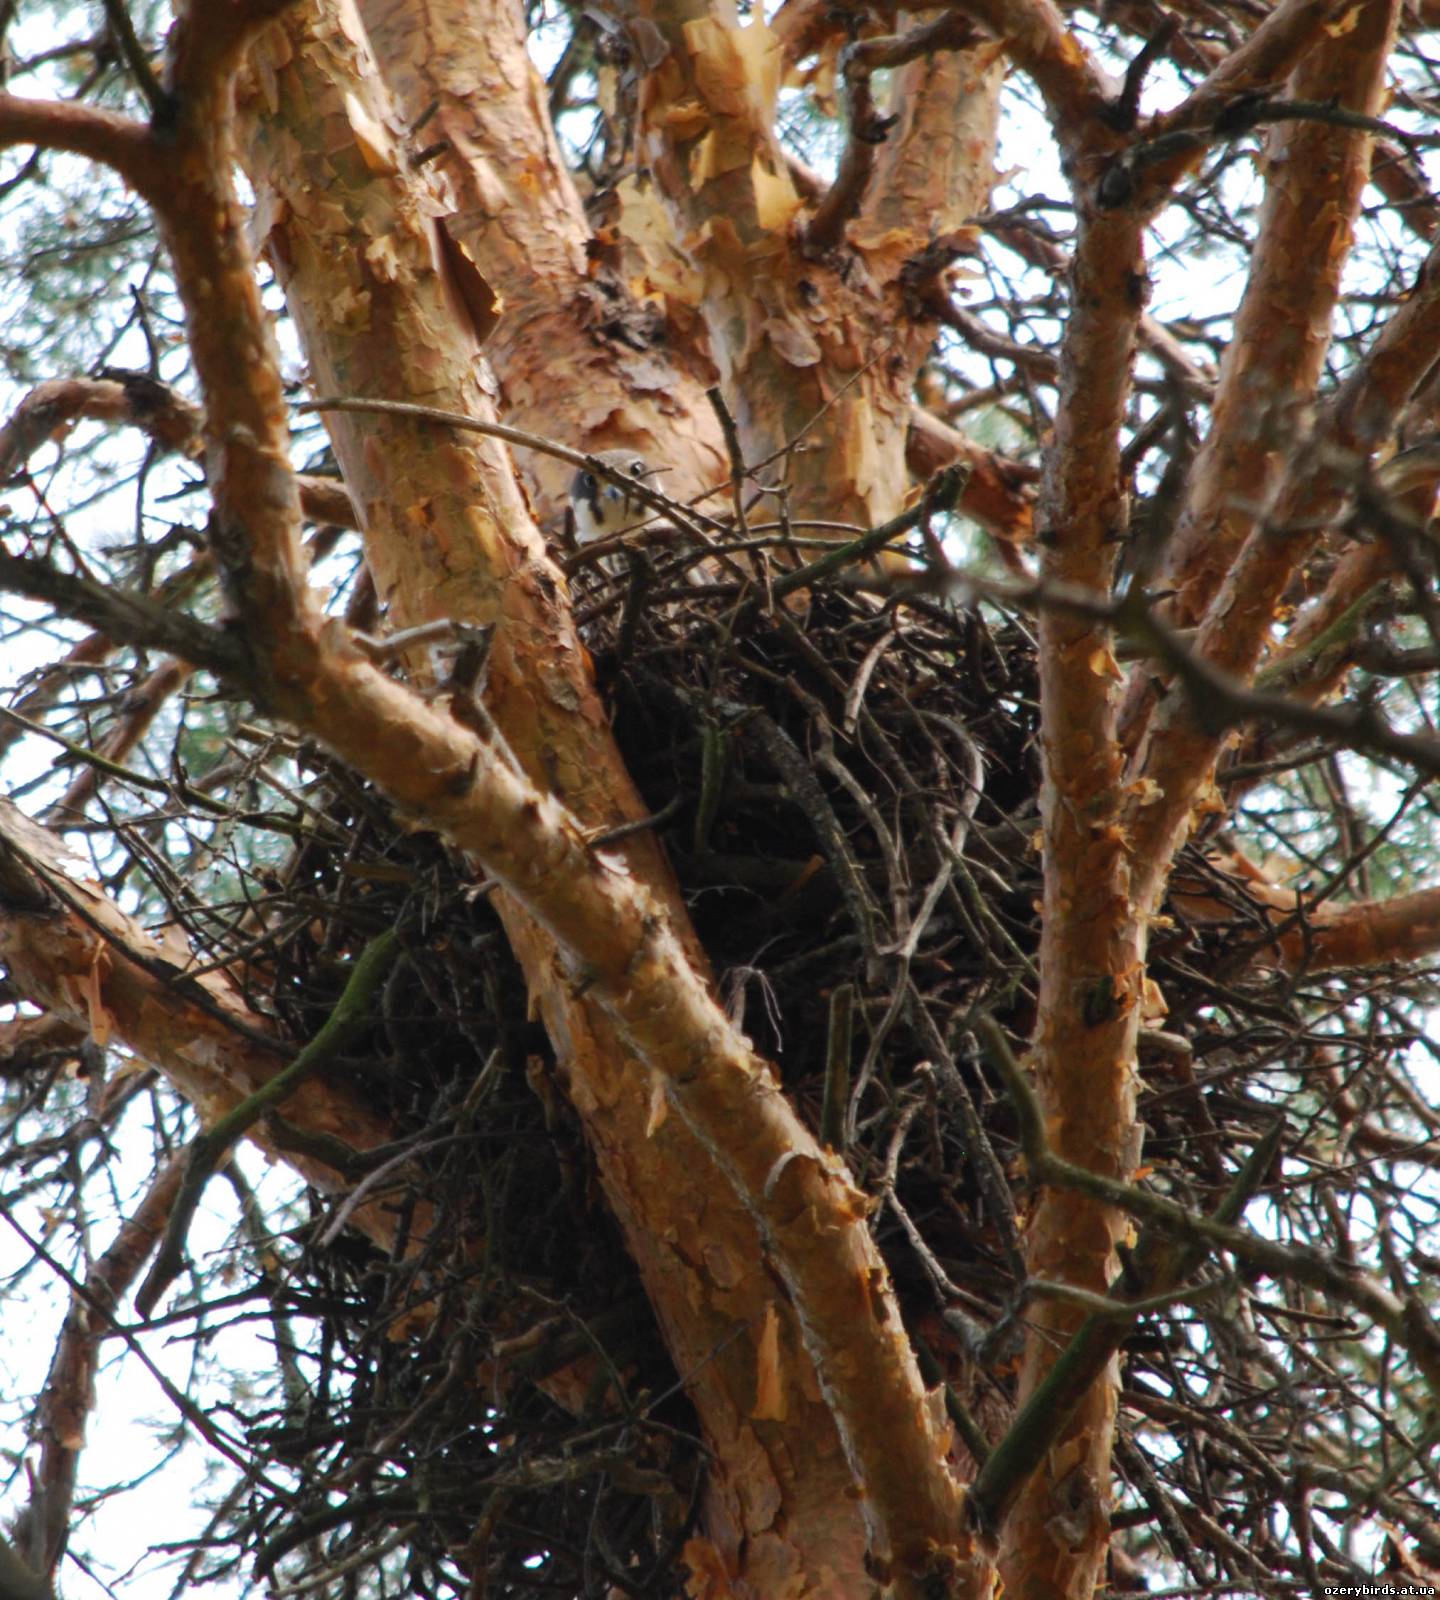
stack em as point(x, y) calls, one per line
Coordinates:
point(1157, 1268)
point(138, 62)
point(68, 1395)
point(1406, 1321)
point(1228, 560)
point(694, 524)
point(128, 618)
point(115, 141)
point(1265, 59)
point(346, 1021)
point(162, 414)
point(1218, 702)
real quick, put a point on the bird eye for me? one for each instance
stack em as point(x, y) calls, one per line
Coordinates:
point(637, 467)
point(588, 479)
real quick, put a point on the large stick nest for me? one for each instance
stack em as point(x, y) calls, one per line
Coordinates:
point(848, 792)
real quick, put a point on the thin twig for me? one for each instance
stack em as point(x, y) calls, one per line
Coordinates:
point(161, 103)
point(350, 1016)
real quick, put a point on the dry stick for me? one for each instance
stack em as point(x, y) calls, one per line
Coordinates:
point(1245, 113)
point(1266, 58)
point(941, 494)
point(156, 97)
point(68, 1397)
point(384, 1507)
point(733, 450)
point(1219, 701)
point(1160, 1265)
point(322, 500)
point(169, 787)
point(187, 1408)
point(796, 774)
point(1218, 698)
point(1127, 109)
point(126, 617)
point(689, 521)
point(839, 1043)
point(141, 706)
point(83, 657)
point(344, 1024)
point(1137, 1469)
point(1407, 1321)
point(989, 1171)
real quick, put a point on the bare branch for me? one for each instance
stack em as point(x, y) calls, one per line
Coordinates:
point(126, 617)
point(113, 140)
point(1265, 60)
point(1076, 93)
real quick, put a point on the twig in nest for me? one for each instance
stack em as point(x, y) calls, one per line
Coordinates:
point(941, 494)
point(350, 1016)
point(838, 1046)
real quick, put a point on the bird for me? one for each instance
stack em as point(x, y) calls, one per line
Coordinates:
point(602, 505)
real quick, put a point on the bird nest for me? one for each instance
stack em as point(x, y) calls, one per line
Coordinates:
point(847, 789)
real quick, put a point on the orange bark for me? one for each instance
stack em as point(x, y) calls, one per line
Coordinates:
point(630, 380)
point(999, 494)
point(1092, 945)
point(1326, 937)
point(793, 320)
point(70, 949)
point(446, 534)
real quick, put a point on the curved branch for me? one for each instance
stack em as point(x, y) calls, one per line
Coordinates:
point(1285, 313)
point(73, 951)
point(865, 130)
point(120, 143)
point(1076, 91)
point(1406, 1320)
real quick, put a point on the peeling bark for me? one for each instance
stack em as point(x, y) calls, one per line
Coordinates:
point(476, 555)
point(630, 379)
